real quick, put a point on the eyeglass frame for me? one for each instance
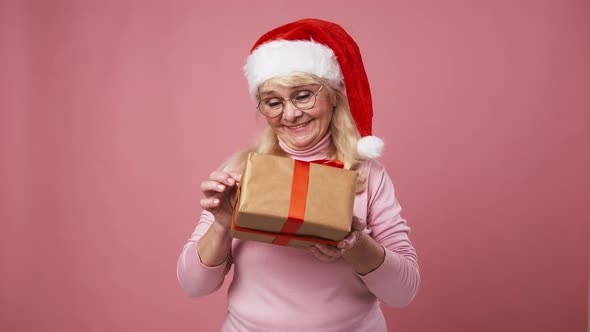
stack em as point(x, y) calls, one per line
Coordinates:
point(283, 102)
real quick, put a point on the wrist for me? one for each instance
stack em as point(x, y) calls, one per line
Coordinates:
point(366, 255)
point(221, 230)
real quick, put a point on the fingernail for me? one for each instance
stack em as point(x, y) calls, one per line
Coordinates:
point(215, 201)
point(220, 186)
point(231, 180)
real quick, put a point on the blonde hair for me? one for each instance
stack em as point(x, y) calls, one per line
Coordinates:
point(345, 134)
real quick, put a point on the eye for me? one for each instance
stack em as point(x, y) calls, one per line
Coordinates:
point(302, 96)
point(272, 103)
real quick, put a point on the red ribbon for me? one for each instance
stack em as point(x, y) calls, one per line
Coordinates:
point(295, 219)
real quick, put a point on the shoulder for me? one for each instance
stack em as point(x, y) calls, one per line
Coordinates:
point(372, 168)
point(377, 179)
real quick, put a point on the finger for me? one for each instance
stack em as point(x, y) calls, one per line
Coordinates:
point(208, 203)
point(348, 241)
point(235, 175)
point(319, 255)
point(328, 250)
point(351, 237)
point(358, 224)
point(212, 186)
point(223, 178)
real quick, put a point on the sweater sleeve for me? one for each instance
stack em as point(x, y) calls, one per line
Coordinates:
point(396, 281)
point(195, 278)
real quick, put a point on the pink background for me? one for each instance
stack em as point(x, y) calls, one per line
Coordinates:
point(113, 112)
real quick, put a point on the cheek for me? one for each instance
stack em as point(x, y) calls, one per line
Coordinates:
point(326, 115)
point(323, 113)
point(274, 123)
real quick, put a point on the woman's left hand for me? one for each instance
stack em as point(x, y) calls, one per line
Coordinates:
point(328, 253)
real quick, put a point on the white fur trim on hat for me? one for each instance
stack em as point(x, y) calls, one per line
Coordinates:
point(369, 147)
point(283, 57)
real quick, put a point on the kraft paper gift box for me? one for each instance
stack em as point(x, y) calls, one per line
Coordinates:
point(290, 202)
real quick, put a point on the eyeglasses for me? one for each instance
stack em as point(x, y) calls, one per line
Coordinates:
point(301, 99)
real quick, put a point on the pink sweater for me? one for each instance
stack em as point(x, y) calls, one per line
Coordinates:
point(278, 288)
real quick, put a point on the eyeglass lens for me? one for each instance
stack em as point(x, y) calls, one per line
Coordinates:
point(273, 106)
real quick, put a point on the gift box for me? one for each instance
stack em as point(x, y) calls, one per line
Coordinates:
point(295, 203)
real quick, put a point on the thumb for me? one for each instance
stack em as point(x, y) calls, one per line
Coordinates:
point(235, 175)
point(358, 224)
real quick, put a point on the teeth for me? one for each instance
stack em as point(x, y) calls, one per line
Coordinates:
point(299, 126)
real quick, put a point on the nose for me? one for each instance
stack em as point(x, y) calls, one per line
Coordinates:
point(290, 112)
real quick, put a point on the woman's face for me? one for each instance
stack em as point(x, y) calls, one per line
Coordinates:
point(299, 129)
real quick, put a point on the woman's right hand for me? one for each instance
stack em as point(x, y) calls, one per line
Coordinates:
point(218, 190)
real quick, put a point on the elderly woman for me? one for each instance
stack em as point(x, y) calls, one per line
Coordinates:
point(310, 84)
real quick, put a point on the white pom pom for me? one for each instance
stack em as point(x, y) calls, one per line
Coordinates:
point(369, 147)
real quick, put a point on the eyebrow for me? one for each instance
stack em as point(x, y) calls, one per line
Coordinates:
point(270, 92)
point(267, 92)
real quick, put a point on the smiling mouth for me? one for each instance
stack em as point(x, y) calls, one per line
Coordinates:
point(299, 125)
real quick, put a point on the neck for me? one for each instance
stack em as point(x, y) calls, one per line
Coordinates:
point(319, 151)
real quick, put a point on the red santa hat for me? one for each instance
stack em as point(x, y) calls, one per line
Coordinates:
point(326, 50)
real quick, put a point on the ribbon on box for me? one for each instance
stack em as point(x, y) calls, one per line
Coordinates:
point(295, 218)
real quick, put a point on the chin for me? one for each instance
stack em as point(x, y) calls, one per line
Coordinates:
point(300, 145)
